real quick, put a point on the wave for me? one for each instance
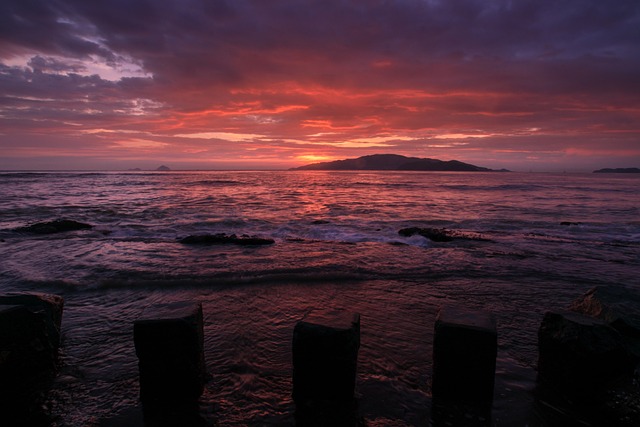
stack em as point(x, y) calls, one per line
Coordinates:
point(215, 182)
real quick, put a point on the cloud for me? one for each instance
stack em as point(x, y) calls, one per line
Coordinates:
point(229, 136)
point(341, 76)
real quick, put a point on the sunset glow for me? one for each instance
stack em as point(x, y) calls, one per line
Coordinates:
point(527, 85)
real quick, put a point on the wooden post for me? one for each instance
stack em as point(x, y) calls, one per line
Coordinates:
point(169, 343)
point(325, 358)
point(464, 356)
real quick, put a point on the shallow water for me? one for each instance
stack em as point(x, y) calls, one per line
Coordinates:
point(336, 248)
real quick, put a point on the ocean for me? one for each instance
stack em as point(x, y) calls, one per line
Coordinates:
point(529, 243)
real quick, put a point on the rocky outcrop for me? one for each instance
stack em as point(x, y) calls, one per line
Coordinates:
point(225, 239)
point(52, 227)
point(441, 234)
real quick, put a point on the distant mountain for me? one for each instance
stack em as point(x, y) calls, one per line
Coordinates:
point(163, 168)
point(618, 170)
point(395, 162)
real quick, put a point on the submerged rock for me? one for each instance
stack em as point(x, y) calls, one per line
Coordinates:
point(56, 226)
point(225, 239)
point(320, 222)
point(441, 234)
point(434, 234)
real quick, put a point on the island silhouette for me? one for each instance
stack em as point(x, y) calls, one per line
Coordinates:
point(618, 170)
point(397, 163)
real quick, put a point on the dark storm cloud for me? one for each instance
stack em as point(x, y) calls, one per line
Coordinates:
point(208, 42)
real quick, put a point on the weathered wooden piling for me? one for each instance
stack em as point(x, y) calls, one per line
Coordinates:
point(580, 355)
point(48, 306)
point(465, 347)
point(325, 358)
point(29, 340)
point(169, 342)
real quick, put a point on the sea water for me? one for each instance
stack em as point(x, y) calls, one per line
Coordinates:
point(536, 242)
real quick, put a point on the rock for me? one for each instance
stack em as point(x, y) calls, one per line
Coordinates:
point(224, 239)
point(465, 346)
point(163, 168)
point(52, 227)
point(441, 234)
point(581, 355)
point(325, 358)
point(617, 306)
point(434, 234)
point(570, 223)
point(169, 342)
point(320, 222)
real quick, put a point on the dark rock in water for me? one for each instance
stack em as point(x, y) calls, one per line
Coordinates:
point(52, 227)
point(570, 223)
point(225, 239)
point(434, 234)
point(465, 347)
point(29, 340)
point(441, 234)
point(617, 306)
point(169, 342)
point(581, 356)
point(325, 358)
point(320, 222)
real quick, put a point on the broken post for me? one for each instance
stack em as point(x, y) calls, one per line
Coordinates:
point(581, 355)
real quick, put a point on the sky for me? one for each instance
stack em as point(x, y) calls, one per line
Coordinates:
point(529, 85)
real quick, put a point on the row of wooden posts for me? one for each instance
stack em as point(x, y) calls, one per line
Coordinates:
point(169, 343)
